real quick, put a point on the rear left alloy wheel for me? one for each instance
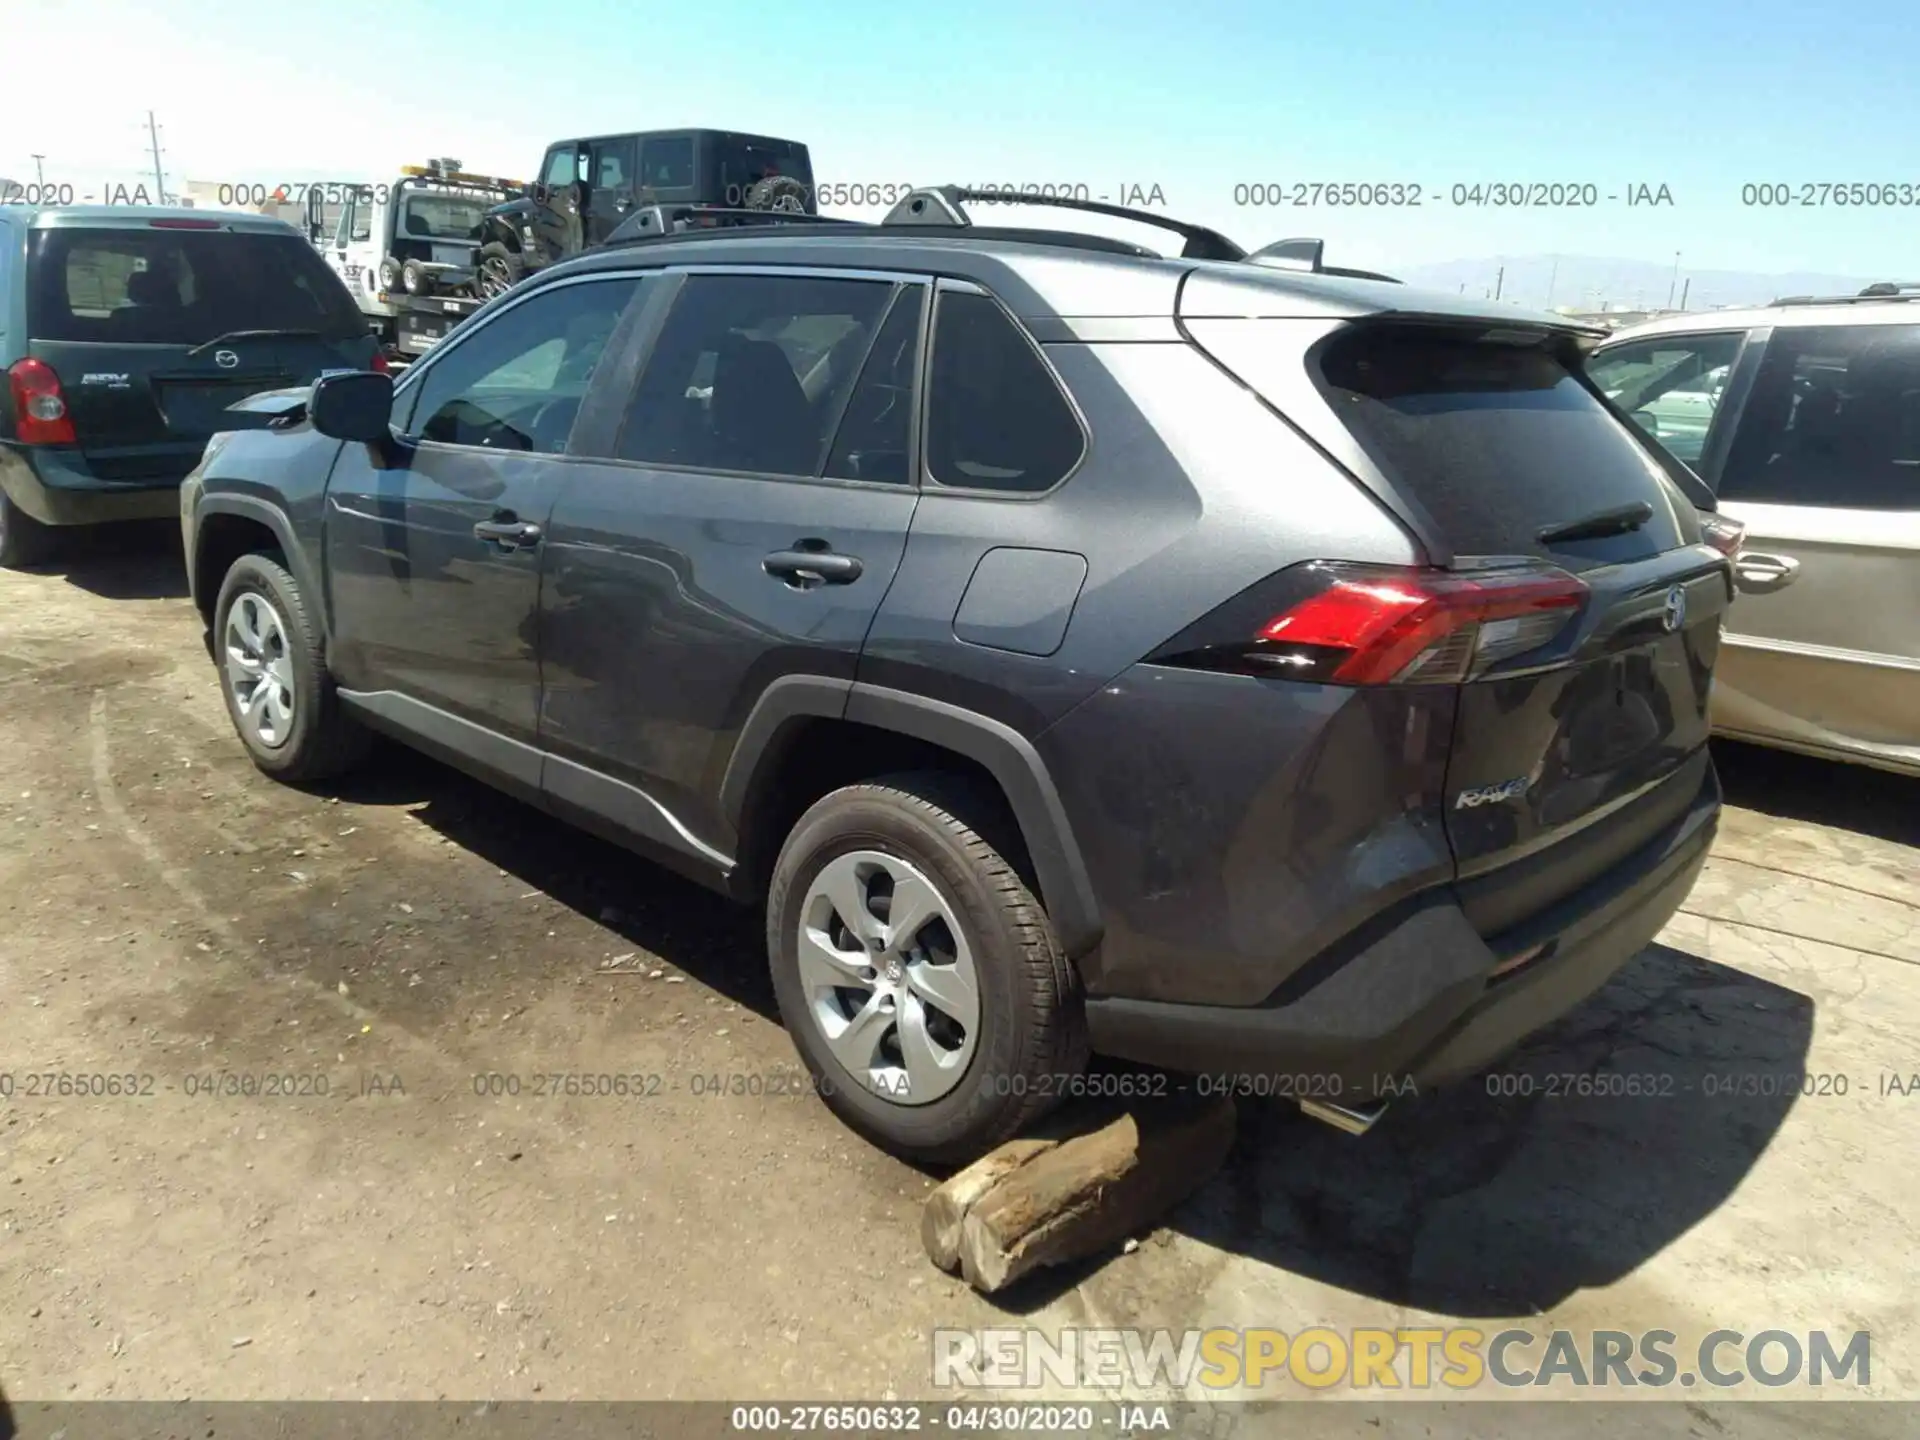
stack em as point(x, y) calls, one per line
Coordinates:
point(272, 672)
point(917, 973)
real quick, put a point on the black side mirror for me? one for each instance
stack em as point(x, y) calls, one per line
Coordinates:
point(355, 406)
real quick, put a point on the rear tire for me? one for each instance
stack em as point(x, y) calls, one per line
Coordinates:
point(989, 1064)
point(23, 539)
point(282, 704)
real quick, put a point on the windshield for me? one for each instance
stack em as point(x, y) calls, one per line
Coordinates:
point(180, 287)
point(445, 217)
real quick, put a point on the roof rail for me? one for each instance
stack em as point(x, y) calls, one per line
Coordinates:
point(937, 210)
point(940, 205)
point(650, 222)
point(1880, 290)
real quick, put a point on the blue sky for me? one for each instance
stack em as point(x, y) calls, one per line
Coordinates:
point(1195, 98)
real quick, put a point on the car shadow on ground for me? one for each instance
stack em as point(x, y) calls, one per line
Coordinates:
point(718, 943)
point(132, 560)
point(1823, 792)
point(1600, 1143)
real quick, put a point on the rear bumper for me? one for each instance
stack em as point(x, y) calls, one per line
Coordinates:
point(54, 488)
point(1415, 996)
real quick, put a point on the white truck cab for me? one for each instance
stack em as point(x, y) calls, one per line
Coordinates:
point(406, 247)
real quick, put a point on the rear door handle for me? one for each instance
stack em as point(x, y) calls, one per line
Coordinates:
point(508, 534)
point(1757, 572)
point(805, 568)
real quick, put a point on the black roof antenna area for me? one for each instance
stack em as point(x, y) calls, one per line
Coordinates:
point(941, 205)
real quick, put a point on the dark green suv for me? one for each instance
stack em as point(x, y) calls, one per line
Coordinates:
point(586, 188)
point(126, 332)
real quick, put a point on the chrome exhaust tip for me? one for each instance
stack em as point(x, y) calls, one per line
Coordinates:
point(1354, 1119)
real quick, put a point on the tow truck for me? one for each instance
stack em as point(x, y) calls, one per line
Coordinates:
point(407, 248)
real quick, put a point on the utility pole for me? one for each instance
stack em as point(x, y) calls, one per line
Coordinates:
point(1499, 281)
point(1675, 280)
point(1552, 276)
point(159, 175)
point(40, 171)
point(1683, 292)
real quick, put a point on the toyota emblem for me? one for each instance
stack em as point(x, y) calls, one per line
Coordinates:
point(225, 359)
point(1675, 614)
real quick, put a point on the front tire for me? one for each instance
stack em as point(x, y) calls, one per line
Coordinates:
point(500, 270)
point(918, 975)
point(274, 677)
point(23, 539)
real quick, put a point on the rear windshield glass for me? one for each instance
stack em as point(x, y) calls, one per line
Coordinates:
point(180, 287)
point(744, 162)
point(444, 217)
point(1496, 441)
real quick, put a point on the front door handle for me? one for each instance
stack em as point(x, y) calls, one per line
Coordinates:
point(1755, 572)
point(804, 569)
point(508, 534)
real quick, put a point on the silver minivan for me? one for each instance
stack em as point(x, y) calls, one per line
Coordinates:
point(1804, 418)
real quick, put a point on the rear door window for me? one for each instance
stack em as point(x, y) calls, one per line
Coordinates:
point(610, 162)
point(1496, 441)
point(876, 434)
point(996, 418)
point(180, 287)
point(1834, 420)
point(752, 373)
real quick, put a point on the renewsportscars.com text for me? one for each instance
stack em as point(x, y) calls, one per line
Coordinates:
point(1459, 1357)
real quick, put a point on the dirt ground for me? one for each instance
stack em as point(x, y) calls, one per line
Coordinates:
point(170, 913)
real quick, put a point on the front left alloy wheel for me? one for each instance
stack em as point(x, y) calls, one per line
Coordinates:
point(273, 675)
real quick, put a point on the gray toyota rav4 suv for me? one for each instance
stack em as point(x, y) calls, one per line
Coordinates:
point(1209, 661)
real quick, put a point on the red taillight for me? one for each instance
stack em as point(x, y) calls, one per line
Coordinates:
point(1726, 536)
point(39, 407)
point(1378, 625)
point(179, 223)
point(380, 365)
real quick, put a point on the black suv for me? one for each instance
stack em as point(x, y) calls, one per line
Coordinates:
point(586, 188)
point(125, 333)
point(1201, 660)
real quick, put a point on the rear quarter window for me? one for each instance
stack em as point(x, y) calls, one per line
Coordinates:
point(1496, 441)
point(180, 287)
point(996, 418)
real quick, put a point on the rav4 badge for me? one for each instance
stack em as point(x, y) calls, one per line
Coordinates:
point(1489, 794)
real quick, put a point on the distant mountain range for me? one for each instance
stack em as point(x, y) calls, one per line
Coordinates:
point(1586, 282)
